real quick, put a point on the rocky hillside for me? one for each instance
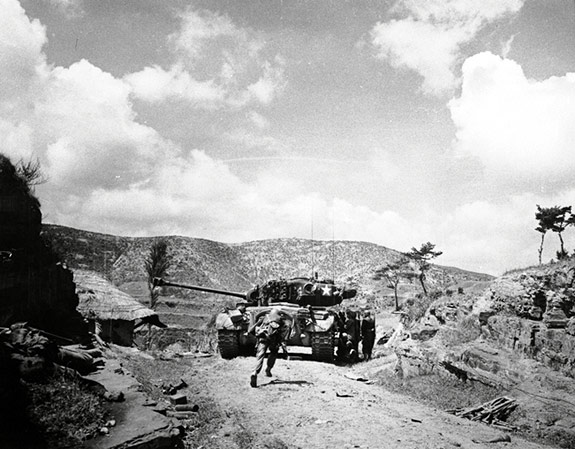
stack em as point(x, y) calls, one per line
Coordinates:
point(517, 337)
point(235, 266)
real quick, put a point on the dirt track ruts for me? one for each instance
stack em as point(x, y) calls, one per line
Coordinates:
point(313, 405)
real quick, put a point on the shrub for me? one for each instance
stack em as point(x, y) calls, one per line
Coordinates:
point(416, 307)
point(65, 411)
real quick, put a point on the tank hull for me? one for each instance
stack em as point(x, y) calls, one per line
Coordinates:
point(315, 329)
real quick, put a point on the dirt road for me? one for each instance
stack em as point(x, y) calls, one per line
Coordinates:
point(315, 405)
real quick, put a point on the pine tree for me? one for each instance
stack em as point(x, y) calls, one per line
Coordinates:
point(421, 257)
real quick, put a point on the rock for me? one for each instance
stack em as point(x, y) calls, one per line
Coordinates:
point(484, 316)
point(555, 317)
point(114, 396)
point(426, 328)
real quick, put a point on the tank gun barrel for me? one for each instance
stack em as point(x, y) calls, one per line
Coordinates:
point(159, 282)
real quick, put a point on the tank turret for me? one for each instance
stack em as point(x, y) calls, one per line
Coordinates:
point(301, 291)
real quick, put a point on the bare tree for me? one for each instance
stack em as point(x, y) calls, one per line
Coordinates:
point(156, 264)
point(421, 257)
point(30, 172)
point(392, 273)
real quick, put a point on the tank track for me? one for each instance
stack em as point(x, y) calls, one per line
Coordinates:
point(228, 343)
point(322, 346)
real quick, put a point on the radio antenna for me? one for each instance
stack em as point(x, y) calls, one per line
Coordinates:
point(312, 246)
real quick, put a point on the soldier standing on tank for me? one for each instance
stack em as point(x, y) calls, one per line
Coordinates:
point(367, 335)
point(271, 331)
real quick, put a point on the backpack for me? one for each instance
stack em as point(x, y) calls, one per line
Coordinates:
point(268, 329)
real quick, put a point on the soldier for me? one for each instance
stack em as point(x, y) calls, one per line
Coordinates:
point(352, 330)
point(367, 335)
point(271, 331)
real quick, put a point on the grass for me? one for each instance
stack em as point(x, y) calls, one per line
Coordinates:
point(439, 391)
point(569, 261)
point(189, 339)
point(65, 411)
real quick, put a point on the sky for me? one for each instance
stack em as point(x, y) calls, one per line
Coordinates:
point(391, 122)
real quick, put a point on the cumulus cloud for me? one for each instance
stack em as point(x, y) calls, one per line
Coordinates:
point(201, 29)
point(89, 128)
point(70, 8)
point(258, 120)
point(155, 84)
point(23, 68)
point(21, 58)
point(106, 170)
point(216, 64)
point(429, 36)
point(77, 121)
point(271, 81)
point(514, 125)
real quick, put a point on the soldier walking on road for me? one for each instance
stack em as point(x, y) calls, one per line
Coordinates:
point(271, 331)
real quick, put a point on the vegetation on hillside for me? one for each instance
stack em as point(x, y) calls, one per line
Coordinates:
point(393, 273)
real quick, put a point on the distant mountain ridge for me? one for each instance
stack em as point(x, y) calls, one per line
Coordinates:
point(235, 266)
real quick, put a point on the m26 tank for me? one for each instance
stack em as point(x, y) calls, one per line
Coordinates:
point(305, 303)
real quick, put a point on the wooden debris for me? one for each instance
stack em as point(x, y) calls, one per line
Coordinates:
point(180, 415)
point(343, 395)
point(497, 439)
point(178, 399)
point(494, 412)
point(356, 377)
point(187, 408)
point(465, 374)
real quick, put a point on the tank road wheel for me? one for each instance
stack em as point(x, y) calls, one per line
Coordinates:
point(322, 346)
point(229, 343)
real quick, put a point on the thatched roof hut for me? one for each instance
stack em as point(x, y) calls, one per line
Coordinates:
point(114, 311)
point(102, 300)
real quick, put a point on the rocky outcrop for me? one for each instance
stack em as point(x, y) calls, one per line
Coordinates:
point(34, 286)
point(536, 294)
point(552, 347)
point(531, 312)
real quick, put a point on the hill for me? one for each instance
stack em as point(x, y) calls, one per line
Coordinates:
point(236, 266)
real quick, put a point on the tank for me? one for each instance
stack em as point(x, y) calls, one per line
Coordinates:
point(307, 304)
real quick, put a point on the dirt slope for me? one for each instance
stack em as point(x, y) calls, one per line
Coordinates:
point(315, 406)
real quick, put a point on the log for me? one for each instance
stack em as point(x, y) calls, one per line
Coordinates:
point(187, 408)
point(180, 415)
